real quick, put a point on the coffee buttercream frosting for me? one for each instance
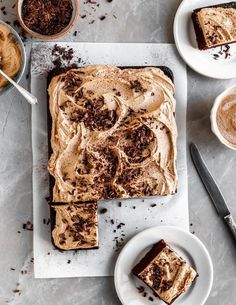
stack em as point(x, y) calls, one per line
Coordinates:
point(113, 133)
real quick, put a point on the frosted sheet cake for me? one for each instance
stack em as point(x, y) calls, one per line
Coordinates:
point(113, 133)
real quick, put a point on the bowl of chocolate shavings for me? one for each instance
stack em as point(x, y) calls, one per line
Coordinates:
point(47, 19)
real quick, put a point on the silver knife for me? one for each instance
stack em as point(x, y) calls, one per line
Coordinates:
point(212, 189)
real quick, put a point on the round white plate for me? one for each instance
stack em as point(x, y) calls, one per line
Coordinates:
point(185, 244)
point(202, 62)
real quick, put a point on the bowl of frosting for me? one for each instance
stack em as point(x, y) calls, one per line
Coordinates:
point(12, 56)
point(223, 117)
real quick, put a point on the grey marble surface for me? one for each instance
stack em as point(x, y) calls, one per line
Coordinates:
point(134, 21)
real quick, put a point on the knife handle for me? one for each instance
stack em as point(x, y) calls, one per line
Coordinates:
point(231, 224)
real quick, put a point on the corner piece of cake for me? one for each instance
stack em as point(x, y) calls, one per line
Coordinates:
point(165, 272)
point(74, 225)
point(113, 133)
point(215, 25)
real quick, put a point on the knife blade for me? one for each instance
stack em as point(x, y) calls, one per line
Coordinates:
point(212, 188)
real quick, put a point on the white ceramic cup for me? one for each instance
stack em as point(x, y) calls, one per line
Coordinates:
point(214, 125)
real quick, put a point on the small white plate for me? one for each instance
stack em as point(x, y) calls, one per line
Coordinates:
point(202, 62)
point(185, 244)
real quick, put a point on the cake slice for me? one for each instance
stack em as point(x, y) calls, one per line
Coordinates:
point(215, 25)
point(165, 272)
point(74, 226)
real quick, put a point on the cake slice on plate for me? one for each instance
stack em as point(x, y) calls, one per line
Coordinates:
point(215, 25)
point(165, 272)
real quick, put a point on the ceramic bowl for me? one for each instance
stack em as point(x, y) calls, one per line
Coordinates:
point(47, 37)
point(18, 77)
point(214, 126)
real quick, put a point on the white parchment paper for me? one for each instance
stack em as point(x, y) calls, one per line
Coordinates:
point(135, 214)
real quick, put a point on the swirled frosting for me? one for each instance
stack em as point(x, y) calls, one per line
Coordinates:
point(226, 118)
point(75, 226)
point(10, 55)
point(113, 133)
point(218, 25)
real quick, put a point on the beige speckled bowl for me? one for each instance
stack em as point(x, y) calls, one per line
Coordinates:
point(47, 37)
point(214, 126)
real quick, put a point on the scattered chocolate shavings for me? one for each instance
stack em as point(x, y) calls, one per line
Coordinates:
point(69, 261)
point(153, 205)
point(16, 290)
point(64, 53)
point(3, 9)
point(120, 204)
point(120, 225)
point(223, 53)
point(112, 221)
point(75, 33)
point(103, 211)
point(140, 289)
point(27, 226)
point(13, 269)
point(90, 8)
point(16, 23)
point(18, 232)
point(118, 244)
point(49, 253)
point(63, 56)
point(32, 260)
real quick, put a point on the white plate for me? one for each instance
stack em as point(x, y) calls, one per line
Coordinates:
point(202, 62)
point(185, 244)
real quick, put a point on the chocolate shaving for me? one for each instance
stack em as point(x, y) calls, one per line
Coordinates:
point(137, 86)
point(103, 211)
point(27, 226)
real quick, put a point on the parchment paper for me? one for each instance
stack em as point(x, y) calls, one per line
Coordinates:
point(135, 214)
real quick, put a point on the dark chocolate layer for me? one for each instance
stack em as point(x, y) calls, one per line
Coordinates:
point(146, 260)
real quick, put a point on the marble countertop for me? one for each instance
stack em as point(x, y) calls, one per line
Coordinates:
point(126, 21)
